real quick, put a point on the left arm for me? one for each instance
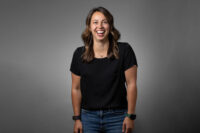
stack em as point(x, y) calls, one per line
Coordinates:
point(131, 79)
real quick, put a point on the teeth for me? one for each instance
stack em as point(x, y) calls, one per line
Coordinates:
point(100, 31)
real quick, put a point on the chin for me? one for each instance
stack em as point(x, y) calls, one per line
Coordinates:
point(101, 38)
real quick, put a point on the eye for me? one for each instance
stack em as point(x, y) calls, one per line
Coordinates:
point(105, 22)
point(94, 22)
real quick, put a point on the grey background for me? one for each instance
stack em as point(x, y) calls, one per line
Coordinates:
point(37, 41)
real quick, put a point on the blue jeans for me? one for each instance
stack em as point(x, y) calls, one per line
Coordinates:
point(103, 121)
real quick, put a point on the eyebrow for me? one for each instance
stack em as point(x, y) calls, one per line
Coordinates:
point(97, 20)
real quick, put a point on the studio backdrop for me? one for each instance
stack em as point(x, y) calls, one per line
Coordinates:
point(38, 37)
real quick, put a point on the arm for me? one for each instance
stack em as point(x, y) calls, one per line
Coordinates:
point(76, 93)
point(131, 78)
point(76, 101)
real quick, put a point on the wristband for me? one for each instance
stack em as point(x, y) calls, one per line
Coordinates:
point(131, 116)
point(76, 117)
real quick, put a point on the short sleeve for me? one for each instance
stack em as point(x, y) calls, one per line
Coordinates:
point(74, 63)
point(129, 59)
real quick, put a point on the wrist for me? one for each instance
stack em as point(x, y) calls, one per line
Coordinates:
point(131, 116)
point(76, 117)
point(77, 120)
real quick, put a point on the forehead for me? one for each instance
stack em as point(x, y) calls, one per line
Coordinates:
point(98, 16)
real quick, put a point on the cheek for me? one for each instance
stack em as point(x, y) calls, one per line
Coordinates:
point(92, 27)
point(107, 27)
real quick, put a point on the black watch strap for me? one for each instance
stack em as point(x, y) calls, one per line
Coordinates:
point(76, 117)
point(131, 116)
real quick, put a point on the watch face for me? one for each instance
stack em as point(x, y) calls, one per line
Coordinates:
point(131, 116)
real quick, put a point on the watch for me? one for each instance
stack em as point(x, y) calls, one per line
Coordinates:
point(131, 116)
point(76, 117)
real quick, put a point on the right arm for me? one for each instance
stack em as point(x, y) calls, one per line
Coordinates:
point(76, 101)
point(76, 94)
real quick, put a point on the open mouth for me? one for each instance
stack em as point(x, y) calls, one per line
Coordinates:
point(100, 33)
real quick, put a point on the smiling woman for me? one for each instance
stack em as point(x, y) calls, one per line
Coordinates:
point(99, 27)
point(100, 30)
point(100, 69)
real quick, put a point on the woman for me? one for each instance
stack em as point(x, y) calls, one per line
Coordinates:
point(101, 101)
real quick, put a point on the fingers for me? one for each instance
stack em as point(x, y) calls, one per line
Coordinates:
point(78, 127)
point(81, 131)
point(78, 130)
point(128, 130)
point(123, 127)
point(75, 131)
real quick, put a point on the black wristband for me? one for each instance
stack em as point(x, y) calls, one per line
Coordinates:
point(76, 117)
point(131, 116)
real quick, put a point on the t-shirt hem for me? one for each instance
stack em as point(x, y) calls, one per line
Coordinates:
point(104, 108)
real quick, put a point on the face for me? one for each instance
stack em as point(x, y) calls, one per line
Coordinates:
point(99, 27)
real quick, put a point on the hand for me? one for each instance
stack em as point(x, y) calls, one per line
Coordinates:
point(128, 125)
point(78, 127)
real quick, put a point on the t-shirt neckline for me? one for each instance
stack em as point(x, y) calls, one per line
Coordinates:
point(100, 58)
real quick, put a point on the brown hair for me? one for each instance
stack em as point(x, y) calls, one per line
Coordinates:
point(114, 36)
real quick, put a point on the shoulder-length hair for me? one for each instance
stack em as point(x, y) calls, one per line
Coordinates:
point(113, 36)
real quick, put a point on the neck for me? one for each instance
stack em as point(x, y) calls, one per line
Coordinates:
point(101, 46)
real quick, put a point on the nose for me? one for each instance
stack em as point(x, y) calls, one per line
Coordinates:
point(100, 25)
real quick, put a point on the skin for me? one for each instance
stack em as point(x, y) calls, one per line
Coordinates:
point(101, 44)
point(76, 101)
point(131, 78)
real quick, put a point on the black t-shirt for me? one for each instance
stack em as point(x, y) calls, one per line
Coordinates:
point(103, 80)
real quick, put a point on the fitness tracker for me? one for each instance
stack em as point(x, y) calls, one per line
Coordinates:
point(131, 116)
point(76, 117)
